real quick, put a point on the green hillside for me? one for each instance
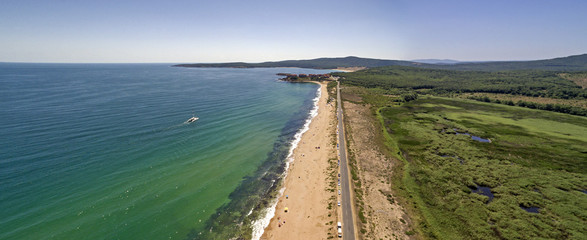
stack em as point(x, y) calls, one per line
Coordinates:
point(571, 63)
point(319, 63)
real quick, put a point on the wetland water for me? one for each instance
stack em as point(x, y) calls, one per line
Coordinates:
point(531, 209)
point(485, 191)
point(476, 138)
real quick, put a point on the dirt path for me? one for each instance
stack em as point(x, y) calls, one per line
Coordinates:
point(385, 218)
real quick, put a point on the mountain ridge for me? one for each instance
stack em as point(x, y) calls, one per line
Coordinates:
point(569, 63)
point(317, 63)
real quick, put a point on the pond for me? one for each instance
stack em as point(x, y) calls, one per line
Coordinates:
point(476, 138)
point(530, 209)
point(485, 191)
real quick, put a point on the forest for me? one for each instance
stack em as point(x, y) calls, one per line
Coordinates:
point(567, 64)
point(440, 82)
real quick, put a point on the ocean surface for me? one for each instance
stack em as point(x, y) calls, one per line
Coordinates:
point(102, 151)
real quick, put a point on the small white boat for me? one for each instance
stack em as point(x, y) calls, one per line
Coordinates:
point(192, 119)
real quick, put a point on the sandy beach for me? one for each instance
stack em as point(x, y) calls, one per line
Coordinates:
point(306, 195)
point(349, 69)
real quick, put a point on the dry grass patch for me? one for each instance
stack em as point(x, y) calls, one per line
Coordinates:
point(385, 219)
point(578, 78)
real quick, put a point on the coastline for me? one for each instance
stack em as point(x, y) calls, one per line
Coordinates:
point(259, 225)
point(252, 201)
point(305, 185)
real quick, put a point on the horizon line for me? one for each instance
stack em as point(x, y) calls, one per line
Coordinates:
point(195, 62)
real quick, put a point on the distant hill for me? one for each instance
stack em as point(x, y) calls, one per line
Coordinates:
point(437, 61)
point(319, 63)
point(571, 63)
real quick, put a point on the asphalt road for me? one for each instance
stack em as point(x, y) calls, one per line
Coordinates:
point(348, 225)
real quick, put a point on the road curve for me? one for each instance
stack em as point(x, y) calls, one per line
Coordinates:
point(348, 224)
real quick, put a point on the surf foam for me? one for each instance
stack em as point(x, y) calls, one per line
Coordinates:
point(260, 224)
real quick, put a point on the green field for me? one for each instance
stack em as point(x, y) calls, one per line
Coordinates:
point(535, 159)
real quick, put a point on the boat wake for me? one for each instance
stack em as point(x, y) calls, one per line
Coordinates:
point(192, 119)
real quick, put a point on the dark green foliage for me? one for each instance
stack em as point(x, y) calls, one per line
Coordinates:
point(443, 82)
point(548, 107)
point(409, 96)
point(331, 86)
point(362, 216)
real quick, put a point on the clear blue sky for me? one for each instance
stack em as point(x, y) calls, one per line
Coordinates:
point(256, 30)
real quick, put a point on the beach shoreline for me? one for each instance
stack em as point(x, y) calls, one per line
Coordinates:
point(259, 225)
point(311, 207)
point(349, 69)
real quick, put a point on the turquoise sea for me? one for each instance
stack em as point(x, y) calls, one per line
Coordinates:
point(101, 151)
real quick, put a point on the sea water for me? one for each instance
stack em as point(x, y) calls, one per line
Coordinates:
point(102, 151)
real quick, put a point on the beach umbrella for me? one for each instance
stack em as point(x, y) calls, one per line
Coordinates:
point(285, 209)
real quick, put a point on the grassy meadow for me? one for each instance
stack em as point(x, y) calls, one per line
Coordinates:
point(535, 159)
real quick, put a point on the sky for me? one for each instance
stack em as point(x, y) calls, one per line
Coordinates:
point(182, 31)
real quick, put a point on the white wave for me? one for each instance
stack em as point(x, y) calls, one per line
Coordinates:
point(260, 224)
